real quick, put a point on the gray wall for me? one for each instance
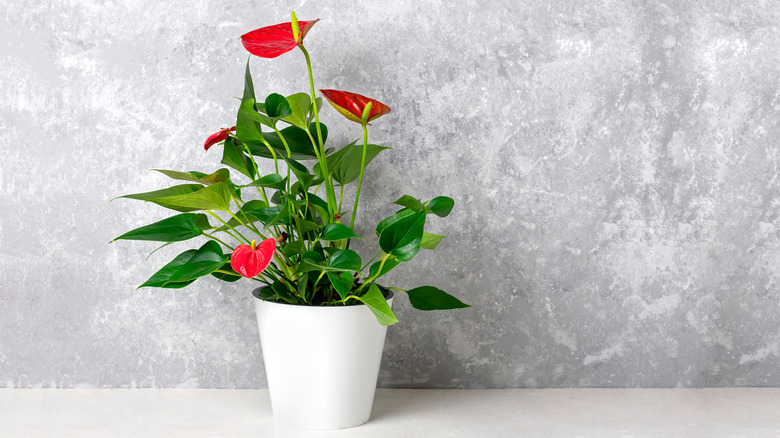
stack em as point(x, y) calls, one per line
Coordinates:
point(615, 166)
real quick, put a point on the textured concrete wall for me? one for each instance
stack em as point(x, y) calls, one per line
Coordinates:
point(615, 167)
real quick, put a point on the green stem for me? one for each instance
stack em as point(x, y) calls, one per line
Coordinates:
point(331, 195)
point(360, 179)
point(371, 280)
point(211, 236)
point(245, 240)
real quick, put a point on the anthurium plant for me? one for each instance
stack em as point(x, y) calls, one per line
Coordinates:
point(287, 228)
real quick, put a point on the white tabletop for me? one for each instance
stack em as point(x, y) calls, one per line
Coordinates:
point(398, 413)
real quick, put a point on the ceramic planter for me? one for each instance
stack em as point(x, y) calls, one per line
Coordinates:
point(322, 363)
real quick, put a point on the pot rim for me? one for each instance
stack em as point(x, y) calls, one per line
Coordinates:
point(389, 294)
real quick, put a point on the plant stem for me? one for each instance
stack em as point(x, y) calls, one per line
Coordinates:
point(245, 240)
point(360, 179)
point(331, 195)
point(211, 236)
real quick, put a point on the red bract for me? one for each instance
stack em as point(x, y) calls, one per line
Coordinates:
point(249, 260)
point(217, 137)
point(352, 105)
point(272, 41)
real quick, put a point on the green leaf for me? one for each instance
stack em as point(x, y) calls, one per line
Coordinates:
point(410, 202)
point(249, 88)
point(396, 217)
point(441, 206)
point(299, 105)
point(342, 281)
point(298, 140)
point(431, 298)
point(377, 303)
point(234, 156)
point(402, 238)
point(213, 197)
point(283, 293)
point(345, 260)
point(221, 175)
point(344, 164)
point(336, 231)
point(276, 106)
point(340, 260)
point(390, 263)
point(233, 276)
point(301, 172)
point(188, 266)
point(431, 241)
point(272, 181)
point(173, 229)
point(293, 248)
point(170, 191)
point(249, 121)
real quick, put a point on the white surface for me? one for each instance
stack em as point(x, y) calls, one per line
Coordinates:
point(399, 413)
point(331, 375)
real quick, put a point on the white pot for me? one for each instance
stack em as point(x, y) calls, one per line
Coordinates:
point(322, 363)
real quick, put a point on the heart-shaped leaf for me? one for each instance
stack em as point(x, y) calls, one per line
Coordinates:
point(410, 202)
point(441, 205)
point(276, 106)
point(342, 281)
point(431, 241)
point(431, 298)
point(402, 238)
point(337, 231)
point(188, 266)
point(213, 197)
point(173, 229)
point(377, 303)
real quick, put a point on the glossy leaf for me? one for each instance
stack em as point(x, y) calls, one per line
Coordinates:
point(188, 266)
point(352, 105)
point(221, 175)
point(249, 121)
point(299, 107)
point(182, 189)
point(234, 156)
point(276, 106)
point(272, 181)
point(431, 241)
point(441, 205)
point(431, 298)
point(344, 164)
point(396, 217)
point(230, 277)
point(337, 231)
point(402, 238)
point(213, 197)
point(342, 281)
point(410, 202)
point(249, 87)
point(298, 140)
point(345, 260)
point(272, 41)
point(377, 303)
point(283, 293)
point(173, 229)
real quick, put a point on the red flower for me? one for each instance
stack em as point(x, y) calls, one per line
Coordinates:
point(352, 105)
point(217, 137)
point(249, 260)
point(272, 41)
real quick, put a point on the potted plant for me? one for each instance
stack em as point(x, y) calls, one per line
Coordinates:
point(322, 315)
